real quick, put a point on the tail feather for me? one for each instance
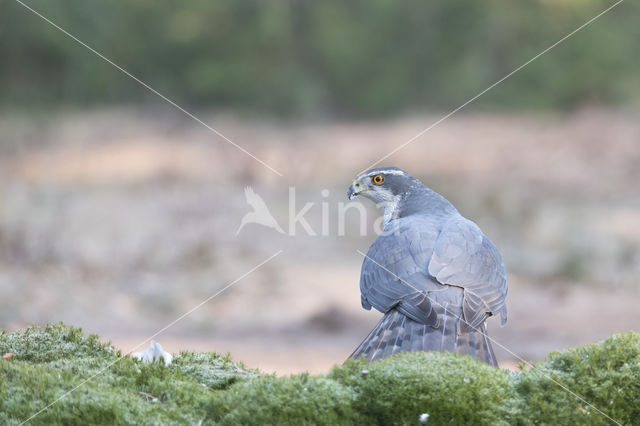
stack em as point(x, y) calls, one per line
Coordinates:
point(397, 333)
point(417, 331)
point(410, 341)
point(431, 339)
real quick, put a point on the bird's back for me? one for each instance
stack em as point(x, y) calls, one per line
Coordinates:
point(395, 276)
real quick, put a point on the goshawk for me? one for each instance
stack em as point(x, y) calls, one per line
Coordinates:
point(433, 273)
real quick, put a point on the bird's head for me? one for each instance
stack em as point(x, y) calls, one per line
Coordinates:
point(382, 185)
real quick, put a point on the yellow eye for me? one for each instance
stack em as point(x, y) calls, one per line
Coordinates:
point(378, 179)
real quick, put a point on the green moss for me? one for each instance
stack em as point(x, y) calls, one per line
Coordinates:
point(213, 389)
point(606, 374)
point(451, 389)
point(53, 360)
point(212, 370)
point(299, 399)
point(54, 342)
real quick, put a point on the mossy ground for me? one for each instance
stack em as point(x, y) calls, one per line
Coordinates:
point(209, 388)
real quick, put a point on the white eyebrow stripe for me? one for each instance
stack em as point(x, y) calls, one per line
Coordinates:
point(388, 172)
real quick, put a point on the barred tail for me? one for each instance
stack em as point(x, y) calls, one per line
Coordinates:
point(397, 333)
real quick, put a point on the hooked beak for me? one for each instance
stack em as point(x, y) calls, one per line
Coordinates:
point(354, 190)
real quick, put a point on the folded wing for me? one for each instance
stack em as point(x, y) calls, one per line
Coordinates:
point(463, 256)
point(394, 273)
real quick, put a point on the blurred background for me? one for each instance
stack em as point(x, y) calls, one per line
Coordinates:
point(118, 213)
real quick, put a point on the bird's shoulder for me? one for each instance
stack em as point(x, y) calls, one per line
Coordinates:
point(406, 236)
point(401, 254)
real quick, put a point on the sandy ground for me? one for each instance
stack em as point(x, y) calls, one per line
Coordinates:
point(121, 221)
point(540, 321)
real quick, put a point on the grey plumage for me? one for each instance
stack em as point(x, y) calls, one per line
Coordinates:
point(433, 273)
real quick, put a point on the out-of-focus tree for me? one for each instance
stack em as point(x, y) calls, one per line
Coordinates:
point(330, 57)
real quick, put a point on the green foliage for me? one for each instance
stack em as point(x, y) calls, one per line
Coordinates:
point(352, 58)
point(94, 384)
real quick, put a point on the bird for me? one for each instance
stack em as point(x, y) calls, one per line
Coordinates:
point(433, 273)
point(260, 214)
